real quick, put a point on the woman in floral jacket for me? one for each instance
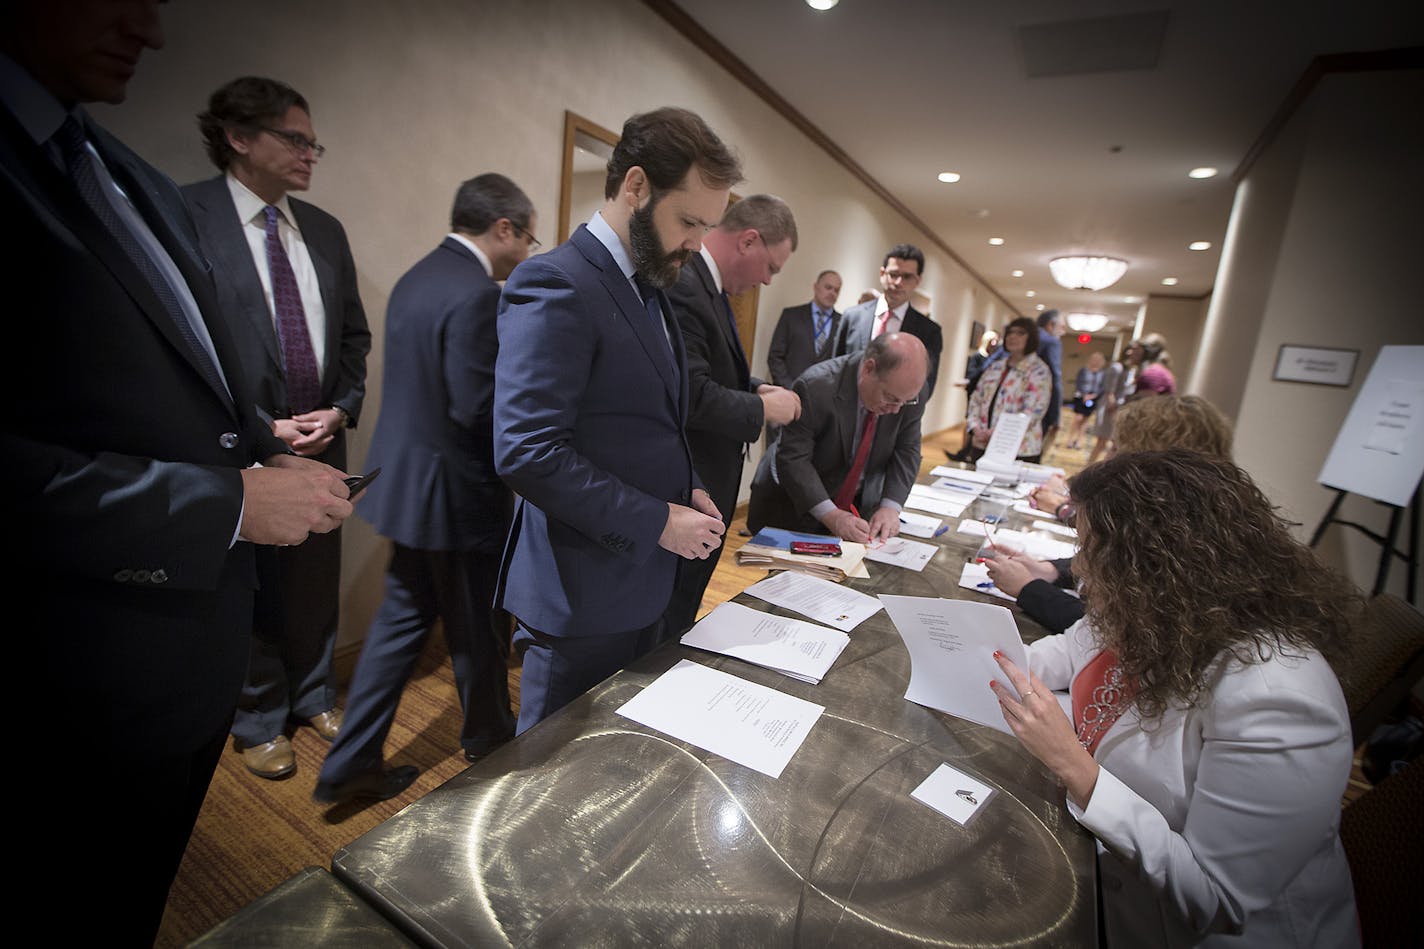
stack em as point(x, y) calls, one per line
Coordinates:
point(1020, 383)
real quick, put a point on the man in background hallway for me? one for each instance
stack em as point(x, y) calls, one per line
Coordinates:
point(749, 247)
point(805, 334)
point(127, 488)
point(287, 285)
point(590, 407)
point(439, 499)
point(900, 273)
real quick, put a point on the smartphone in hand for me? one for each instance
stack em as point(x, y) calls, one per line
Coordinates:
point(358, 483)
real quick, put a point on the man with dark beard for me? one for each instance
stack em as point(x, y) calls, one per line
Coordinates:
point(591, 397)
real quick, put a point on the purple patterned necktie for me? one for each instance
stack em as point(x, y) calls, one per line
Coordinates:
point(298, 360)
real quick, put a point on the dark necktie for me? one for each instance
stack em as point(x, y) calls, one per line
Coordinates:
point(655, 317)
point(80, 163)
point(846, 495)
point(731, 321)
point(298, 360)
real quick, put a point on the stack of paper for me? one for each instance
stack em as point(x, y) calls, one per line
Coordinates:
point(900, 552)
point(771, 548)
point(924, 497)
point(821, 600)
point(792, 647)
point(741, 721)
point(920, 525)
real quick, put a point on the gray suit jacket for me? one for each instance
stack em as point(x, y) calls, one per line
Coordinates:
point(858, 322)
point(244, 305)
point(814, 454)
point(793, 344)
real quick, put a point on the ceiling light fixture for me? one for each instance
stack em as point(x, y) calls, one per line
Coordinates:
point(949, 177)
point(1041, 306)
point(1206, 171)
point(821, 4)
point(996, 241)
point(1087, 273)
point(1199, 245)
point(1016, 273)
point(1031, 293)
point(1087, 322)
point(1169, 281)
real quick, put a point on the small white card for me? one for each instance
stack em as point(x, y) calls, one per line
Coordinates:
point(920, 525)
point(1023, 507)
point(972, 528)
point(953, 793)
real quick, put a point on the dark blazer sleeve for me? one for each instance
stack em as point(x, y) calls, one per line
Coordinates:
point(1049, 606)
point(796, 448)
point(713, 406)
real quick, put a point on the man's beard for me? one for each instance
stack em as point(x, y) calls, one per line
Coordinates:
point(657, 267)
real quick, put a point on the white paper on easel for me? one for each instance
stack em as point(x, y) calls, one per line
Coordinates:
point(1379, 451)
point(951, 644)
point(1396, 420)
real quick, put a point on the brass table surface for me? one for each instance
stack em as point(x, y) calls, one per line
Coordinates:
point(594, 830)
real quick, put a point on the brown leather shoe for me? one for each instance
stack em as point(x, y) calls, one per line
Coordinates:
point(327, 724)
point(273, 759)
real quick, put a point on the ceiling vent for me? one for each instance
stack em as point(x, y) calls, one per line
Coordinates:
point(1093, 45)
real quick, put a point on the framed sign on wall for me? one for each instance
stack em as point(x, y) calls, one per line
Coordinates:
point(1316, 365)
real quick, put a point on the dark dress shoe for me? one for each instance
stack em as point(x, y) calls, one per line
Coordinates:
point(378, 784)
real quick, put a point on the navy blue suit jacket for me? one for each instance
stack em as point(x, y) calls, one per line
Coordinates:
point(438, 488)
point(590, 407)
point(121, 479)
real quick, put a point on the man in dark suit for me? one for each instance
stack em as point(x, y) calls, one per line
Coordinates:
point(591, 394)
point(287, 285)
point(439, 499)
point(126, 486)
point(855, 448)
point(805, 334)
point(750, 245)
point(900, 274)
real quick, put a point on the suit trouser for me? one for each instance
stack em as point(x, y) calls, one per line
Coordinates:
point(456, 587)
point(289, 673)
point(692, 579)
point(558, 669)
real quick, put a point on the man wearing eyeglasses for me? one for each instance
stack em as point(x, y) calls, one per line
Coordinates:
point(900, 275)
point(846, 466)
point(287, 286)
point(747, 248)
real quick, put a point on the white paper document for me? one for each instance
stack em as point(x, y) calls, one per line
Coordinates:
point(975, 576)
point(792, 647)
point(1003, 449)
point(1023, 507)
point(963, 475)
point(972, 527)
point(741, 721)
point(920, 525)
point(821, 600)
point(1038, 546)
point(924, 498)
point(953, 793)
point(899, 552)
point(951, 644)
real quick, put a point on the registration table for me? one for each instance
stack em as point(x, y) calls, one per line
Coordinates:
point(593, 830)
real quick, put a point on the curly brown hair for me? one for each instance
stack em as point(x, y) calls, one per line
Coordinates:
point(1183, 560)
point(1173, 421)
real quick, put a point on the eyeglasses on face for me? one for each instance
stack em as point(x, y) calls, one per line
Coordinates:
point(534, 242)
point(296, 141)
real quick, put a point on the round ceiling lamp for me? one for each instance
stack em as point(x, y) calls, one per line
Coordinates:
point(1087, 322)
point(1087, 273)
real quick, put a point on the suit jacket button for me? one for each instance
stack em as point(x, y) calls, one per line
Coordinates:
point(158, 576)
point(124, 575)
point(228, 439)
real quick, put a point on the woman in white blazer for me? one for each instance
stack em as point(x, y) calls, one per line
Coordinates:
point(1210, 743)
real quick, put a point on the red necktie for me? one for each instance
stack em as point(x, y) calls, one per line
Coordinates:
point(846, 495)
point(884, 322)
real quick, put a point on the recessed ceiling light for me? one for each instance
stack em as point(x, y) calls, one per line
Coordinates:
point(1131, 299)
point(996, 241)
point(949, 177)
point(1203, 172)
point(1169, 281)
point(1031, 293)
point(1016, 273)
point(1199, 245)
point(1041, 306)
point(821, 4)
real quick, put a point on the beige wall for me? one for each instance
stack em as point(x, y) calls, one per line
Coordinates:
point(412, 98)
point(1342, 190)
point(1180, 320)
